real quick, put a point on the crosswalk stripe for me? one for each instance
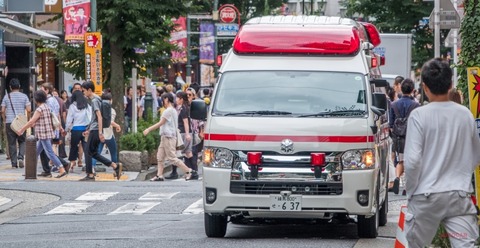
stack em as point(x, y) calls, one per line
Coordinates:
point(135, 208)
point(157, 196)
point(194, 208)
point(96, 196)
point(4, 200)
point(70, 208)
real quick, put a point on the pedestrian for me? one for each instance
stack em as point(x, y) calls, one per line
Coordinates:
point(13, 104)
point(96, 136)
point(184, 125)
point(197, 131)
point(128, 105)
point(399, 113)
point(110, 141)
point(168, 131)
point(78, 117)
point(397, 86)
point(44, 131)
point(441, 153)
point(54, 107)
point(455, 95)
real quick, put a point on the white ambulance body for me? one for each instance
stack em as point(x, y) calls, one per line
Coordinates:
point(297, 127)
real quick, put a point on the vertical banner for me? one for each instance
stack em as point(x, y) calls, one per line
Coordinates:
point(76, 18)
point(474, 99)
point(178, 37)
point(93, 60)
point(207, 42)
point(207, 77)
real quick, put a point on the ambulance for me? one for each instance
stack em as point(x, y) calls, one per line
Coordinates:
point(297, 127)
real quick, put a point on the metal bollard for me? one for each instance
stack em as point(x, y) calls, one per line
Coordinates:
point(31, 157)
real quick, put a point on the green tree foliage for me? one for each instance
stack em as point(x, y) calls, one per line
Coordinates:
point(126, 25)
point(470, 53)
point(399, 16)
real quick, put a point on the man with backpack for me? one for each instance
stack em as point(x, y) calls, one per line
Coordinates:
point(399, 113)
point(101, 118)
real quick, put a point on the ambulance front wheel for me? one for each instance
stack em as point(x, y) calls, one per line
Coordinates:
point(215, 225)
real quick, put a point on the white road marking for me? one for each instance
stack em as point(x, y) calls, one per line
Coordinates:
point(4, 200)
point(194, 208)
point(96, 196)
point(157, 196)
point(70, 208)
point(136, 208)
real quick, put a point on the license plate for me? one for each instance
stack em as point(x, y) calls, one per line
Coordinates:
point(285, 203)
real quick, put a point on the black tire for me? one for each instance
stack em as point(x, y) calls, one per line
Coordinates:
point(367, 227)
point(383, 212)
point(215, 225)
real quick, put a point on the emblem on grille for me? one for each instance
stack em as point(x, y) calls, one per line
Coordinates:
point(286, 146)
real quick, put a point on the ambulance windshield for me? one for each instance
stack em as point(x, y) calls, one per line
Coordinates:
point(291, 94)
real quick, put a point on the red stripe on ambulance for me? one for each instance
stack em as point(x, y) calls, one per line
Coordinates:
point(275, 138)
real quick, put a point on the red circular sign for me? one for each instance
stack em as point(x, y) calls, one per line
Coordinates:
point(228, 15)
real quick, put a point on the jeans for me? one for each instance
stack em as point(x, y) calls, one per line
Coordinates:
point(92, 152)
point(128, 122)
point(112, 148)
point(46, 144)
point(12, 139)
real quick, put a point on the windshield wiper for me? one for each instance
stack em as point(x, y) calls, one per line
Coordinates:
point(259, 112)
point(337, 113)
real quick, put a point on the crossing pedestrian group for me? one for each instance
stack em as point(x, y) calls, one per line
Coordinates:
point(88, 122)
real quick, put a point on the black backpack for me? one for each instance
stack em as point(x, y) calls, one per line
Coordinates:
point(400, 124)
point(106, 111)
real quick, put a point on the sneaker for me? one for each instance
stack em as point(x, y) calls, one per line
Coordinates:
point(172, 176)
point(54, 169)
point(14, 166)
point(45, 174)
point(157, 178)
point(192, 175)
point(88, 179)
point(396, 186)
point(20, 163)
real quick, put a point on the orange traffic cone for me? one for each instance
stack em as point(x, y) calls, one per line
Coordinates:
point(401, 238)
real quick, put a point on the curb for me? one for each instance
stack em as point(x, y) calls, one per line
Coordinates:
point(146, 175)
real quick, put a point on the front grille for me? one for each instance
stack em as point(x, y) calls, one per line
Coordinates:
point(304, 188)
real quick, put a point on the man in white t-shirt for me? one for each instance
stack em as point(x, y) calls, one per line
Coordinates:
point(441, 152)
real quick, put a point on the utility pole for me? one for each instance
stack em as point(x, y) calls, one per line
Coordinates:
point(455, 48)
point(93, 15)
point(436, 14)
point(215, 47)
point(188, 67)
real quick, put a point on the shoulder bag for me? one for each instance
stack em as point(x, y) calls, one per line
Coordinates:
point(179, 144)
point(19, 121)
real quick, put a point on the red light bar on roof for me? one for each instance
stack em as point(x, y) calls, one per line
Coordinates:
point(373, 34)
point(298, 39)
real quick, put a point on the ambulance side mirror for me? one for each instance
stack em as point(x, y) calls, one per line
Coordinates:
point(198, 110)
point(379, 101)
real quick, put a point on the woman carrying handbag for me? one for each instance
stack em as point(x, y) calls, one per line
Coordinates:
point(168, 143)
point(44, 130)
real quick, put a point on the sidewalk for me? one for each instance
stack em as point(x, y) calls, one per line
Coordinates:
point(7, 173)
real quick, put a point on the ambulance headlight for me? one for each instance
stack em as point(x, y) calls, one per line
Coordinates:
point(218, 157)
point(358, 159)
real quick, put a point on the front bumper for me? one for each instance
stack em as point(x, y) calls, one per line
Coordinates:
point(258, 205)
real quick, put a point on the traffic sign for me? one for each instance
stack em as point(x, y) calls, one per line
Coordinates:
point(449, 17)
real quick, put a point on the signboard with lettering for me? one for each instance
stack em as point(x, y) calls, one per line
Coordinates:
point(93, 60)
point(24, 6)
point(228, 13)
point(227, 29)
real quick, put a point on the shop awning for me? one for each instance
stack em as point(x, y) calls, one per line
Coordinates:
point(23, 30)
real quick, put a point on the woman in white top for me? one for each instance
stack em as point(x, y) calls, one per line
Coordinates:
point(168, 132)
point(78, 118)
